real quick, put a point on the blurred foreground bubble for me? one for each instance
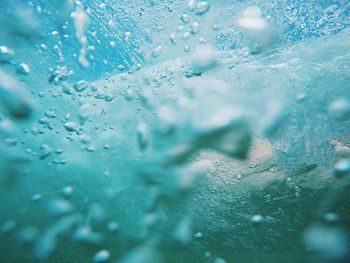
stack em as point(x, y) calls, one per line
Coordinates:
point(330, 244)
point(6, 54)
point(59, 207)
point(28, 234)
point(81, 21)
point(342, 168)
point(13, 97)
point(144, 254)
point(340, 109)
point(17, 18)
point(257, 28)
point(101, 256)
point(204, 59)
point(199, 7)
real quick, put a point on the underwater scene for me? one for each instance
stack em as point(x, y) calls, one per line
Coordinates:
point(175, 131)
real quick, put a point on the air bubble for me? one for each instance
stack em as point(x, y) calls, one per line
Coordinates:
point(71, 126)
point(340, 109)
point(45, 151)
point(23, 69)
point(257, 219)
point(143, 136)
point(67, 191)
point(113, 226)
point(157, 51)
point(202, 7)
point(204, 58)
point(342, 168)
point(6, 54)
point(220, 260)
point(102, 256)
point(36, 197)
point(81, 85)
point(59, 207)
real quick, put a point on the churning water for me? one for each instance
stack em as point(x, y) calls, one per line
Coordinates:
point(145, 131)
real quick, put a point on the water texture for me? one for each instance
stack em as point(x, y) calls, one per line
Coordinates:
point(174, 131)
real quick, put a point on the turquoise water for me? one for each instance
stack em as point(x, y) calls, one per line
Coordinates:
point(174, 131)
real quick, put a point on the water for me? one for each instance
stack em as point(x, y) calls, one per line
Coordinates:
point(171, 131)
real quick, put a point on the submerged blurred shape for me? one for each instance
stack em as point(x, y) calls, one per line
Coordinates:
point(48, 241)
point(62, 9)
point(59, 207)
point(220, 260)
point(275, 118)
point(13, 97)
point(146, 253)
point(340, 109)
point(17, 18)
point(28, 234)
point(227, 131)
point(204, 59)
point(183, 232)
point(85, 234)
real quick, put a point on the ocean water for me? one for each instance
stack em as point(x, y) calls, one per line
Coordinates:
point(174, 131)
